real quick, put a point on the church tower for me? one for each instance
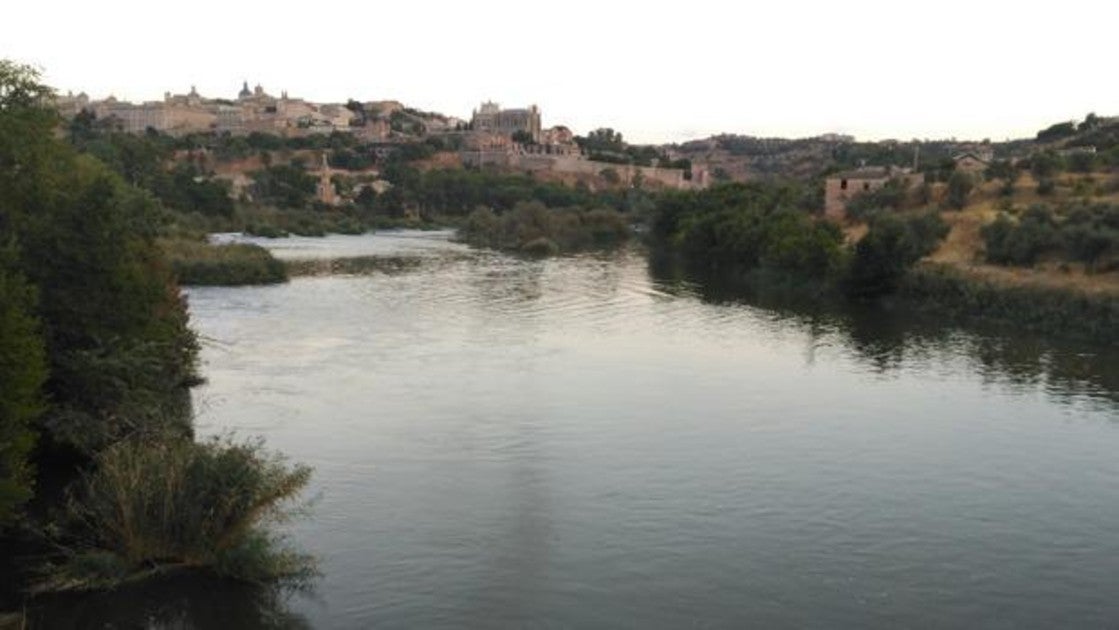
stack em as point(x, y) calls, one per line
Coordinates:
point(325, 190)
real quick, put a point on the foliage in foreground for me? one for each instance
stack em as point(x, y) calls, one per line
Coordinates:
point(22, 373)
point(96, 356)
point(182, 503)
point(119, 353)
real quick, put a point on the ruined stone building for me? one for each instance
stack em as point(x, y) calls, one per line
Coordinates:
point(843, 186)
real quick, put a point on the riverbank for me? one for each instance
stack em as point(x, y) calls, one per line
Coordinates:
point(1064, 311)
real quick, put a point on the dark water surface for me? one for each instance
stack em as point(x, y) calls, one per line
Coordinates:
point(573, 443)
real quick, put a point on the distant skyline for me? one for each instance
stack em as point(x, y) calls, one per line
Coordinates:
point(870, 69)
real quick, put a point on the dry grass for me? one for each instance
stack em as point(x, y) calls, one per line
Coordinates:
point(963, 247)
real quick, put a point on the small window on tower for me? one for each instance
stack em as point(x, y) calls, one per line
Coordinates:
point(843, 184)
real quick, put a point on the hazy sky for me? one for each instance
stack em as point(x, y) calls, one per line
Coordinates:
point(656, 72)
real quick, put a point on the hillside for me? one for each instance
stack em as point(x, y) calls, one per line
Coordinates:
point(965, 249)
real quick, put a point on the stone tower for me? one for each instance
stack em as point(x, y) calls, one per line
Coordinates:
point(325, 190)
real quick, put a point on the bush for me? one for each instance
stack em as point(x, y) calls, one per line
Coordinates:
point(1020, 244)
point(891, 196)
point(198, 263)
point(1060, 311)
point(889, 249)
point(533, 228)
point(1086, 233)
point(542, 246)
point(198, 505)
point(960, 185)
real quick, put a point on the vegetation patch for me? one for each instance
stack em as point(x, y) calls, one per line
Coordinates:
point(533, 229)
point(201, 263)
point(1084, 233)
point(355, 265)
point(154, 506)
point(1055, 310)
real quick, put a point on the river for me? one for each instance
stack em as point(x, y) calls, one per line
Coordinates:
point(577, 442)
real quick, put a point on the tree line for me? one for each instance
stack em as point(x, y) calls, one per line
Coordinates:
point(96, 362)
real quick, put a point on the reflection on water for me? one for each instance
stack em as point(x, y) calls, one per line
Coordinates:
point(172, 604)
point(888, 337)
point(583, 442)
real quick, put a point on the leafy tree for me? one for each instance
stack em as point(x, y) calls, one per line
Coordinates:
point(1002, 169)
point(1021, 243)
point(285, 185)
point(1057, 132)
point(1091, 121)
point(1045, 165)
point(21, 87)
point(602, 140)
point(118, 350)
point(960, 185)
point(22, 373)
point(887, 251)
point(1082, 162)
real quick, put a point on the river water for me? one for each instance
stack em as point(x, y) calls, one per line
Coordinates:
point(577, 442)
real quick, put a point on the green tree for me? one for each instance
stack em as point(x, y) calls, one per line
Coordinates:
point(1045, 165)
point(1056, 132)
point(119, 352)
point(889, 249)
point(1082, 162)
point(1020, 243)
point(960, 185)
point(22, 373)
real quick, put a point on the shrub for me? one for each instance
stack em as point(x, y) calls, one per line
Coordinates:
point(1020, 244)
point(199, 263)
point(891, 196)
point(190, 504)
point(532, 228)
point(541, 246)
point(960, 185)
point(890, 248)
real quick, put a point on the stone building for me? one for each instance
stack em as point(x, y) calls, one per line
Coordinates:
point(972, 163)
point(842, 187)
point(490, 118)
point(70, 105)
point(130, 117)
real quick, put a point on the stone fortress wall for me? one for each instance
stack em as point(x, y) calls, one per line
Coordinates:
point(578, 165)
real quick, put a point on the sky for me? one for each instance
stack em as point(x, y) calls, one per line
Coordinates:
point(657, 72)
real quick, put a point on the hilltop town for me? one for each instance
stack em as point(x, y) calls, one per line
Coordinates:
point(381, 160)
point(512, 140)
